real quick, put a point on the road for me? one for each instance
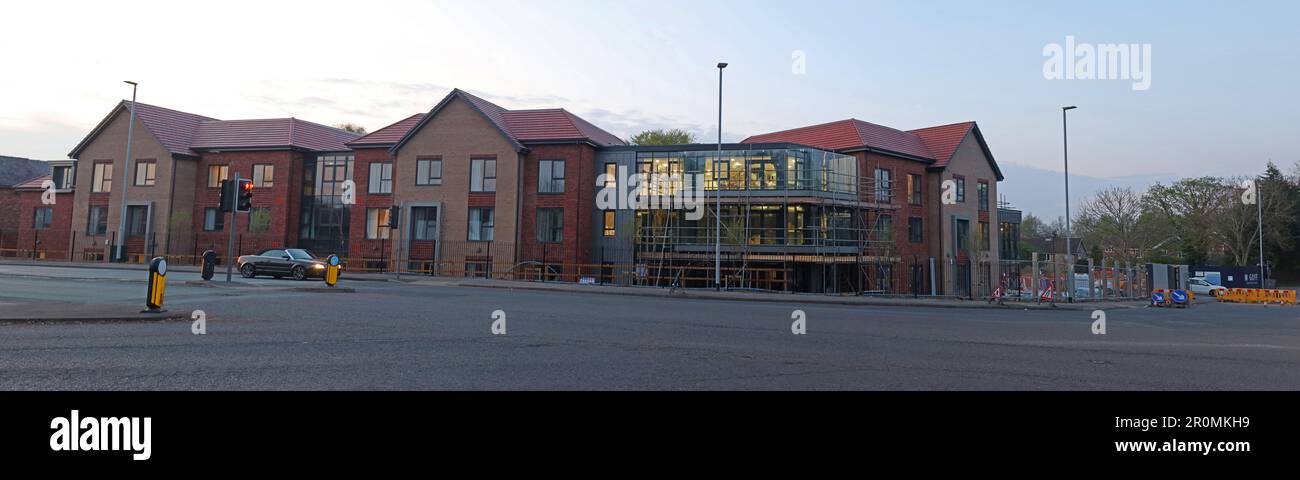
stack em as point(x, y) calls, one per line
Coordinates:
point(388, 335)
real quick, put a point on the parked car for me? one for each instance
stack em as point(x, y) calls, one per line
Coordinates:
point(281, 262)
point(1200, 286)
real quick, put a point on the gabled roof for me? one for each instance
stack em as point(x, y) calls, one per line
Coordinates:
point(387, 136)
point(174, 129)
point(933, 145)
point(943, 140)
point(16, 170)
point(271, 133)
point(184, 133)
point(851, 134)
point(521, 126)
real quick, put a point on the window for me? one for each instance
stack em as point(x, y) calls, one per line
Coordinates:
point(480, 224)
point(982, 240)
point(213, 220)
point(137, 220)
point(259, 220)
point(103, 178)
point(886, 226)
point(961, 189)
point(263, 176)
point(376, 222)
point(913, 189)
point(97, 220)
point(381, 177)
point(63, 178)
point(963, 235)
point(550, 176)
point(146, 173)
point(42, 217)
point(884, 185)
point(424, 223)
point(217, 173)
point(550, 225)
point(982, 195)
point(915, 230)
point(428, 171)
point(609, 223)
point(611, 172)
point(483, 175)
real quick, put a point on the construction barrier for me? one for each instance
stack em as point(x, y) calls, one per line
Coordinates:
point(1259, 295)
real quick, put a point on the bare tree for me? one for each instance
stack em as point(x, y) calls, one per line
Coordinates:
point(1112, 220)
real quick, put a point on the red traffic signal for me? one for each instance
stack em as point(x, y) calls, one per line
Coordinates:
point(245, 196)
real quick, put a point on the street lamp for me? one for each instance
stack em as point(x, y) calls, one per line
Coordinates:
point(1065, 142)
point(120, 251)
point(717, 187)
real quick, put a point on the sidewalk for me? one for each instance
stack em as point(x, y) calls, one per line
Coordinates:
point(220, 271)
point(70, 312)
point(761, 296)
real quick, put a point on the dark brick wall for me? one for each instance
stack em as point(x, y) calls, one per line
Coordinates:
point(579, 190)
point(359, 247)
point(283, 198)
point(54, 240)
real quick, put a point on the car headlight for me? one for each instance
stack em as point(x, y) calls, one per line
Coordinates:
point(318, 266)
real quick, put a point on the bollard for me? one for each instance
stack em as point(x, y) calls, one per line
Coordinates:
point(157, 286)
point(332, 270)
point(209, 264)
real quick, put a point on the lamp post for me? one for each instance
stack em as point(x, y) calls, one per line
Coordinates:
point(717, 187)
point(1259, 211)
point(1065, 142)
point(119, 254)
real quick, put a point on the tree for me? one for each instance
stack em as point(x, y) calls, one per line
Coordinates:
point(1112, 222)
point(351, 127)
point(259, 220)
point(1189, 208)
point(660, 136)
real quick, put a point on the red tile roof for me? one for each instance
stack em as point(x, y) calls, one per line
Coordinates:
point(270, 133)
point(524, 126)
point(850, 134)
point(183, 133)
point(942, 141)
point(387, 136)
point(33, 183)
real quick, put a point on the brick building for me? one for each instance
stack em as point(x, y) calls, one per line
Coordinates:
point(478, 189)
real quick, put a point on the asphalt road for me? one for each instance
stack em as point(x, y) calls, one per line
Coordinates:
point(264, 335)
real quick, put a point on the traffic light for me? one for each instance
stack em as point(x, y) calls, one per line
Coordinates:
point(227, 202)
point(394, 212)
point(245, 196)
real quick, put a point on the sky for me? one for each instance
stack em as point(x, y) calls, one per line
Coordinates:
point(1222, 100)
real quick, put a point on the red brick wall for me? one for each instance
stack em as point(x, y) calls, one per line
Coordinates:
point(577, 201)
point(283, 198)
point(359, 247)
point(903, 248)
point(8, 219)
point(54, 240)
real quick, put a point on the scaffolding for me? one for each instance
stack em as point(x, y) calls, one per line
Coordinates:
point(807, 222)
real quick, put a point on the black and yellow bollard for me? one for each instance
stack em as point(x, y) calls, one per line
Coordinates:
point(157, 285)
point(332, 270)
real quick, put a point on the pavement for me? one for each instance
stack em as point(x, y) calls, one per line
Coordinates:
point(265, 334)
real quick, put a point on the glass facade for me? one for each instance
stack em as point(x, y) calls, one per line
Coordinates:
point(762, 169)
point(324, 219)
point(756, 186)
